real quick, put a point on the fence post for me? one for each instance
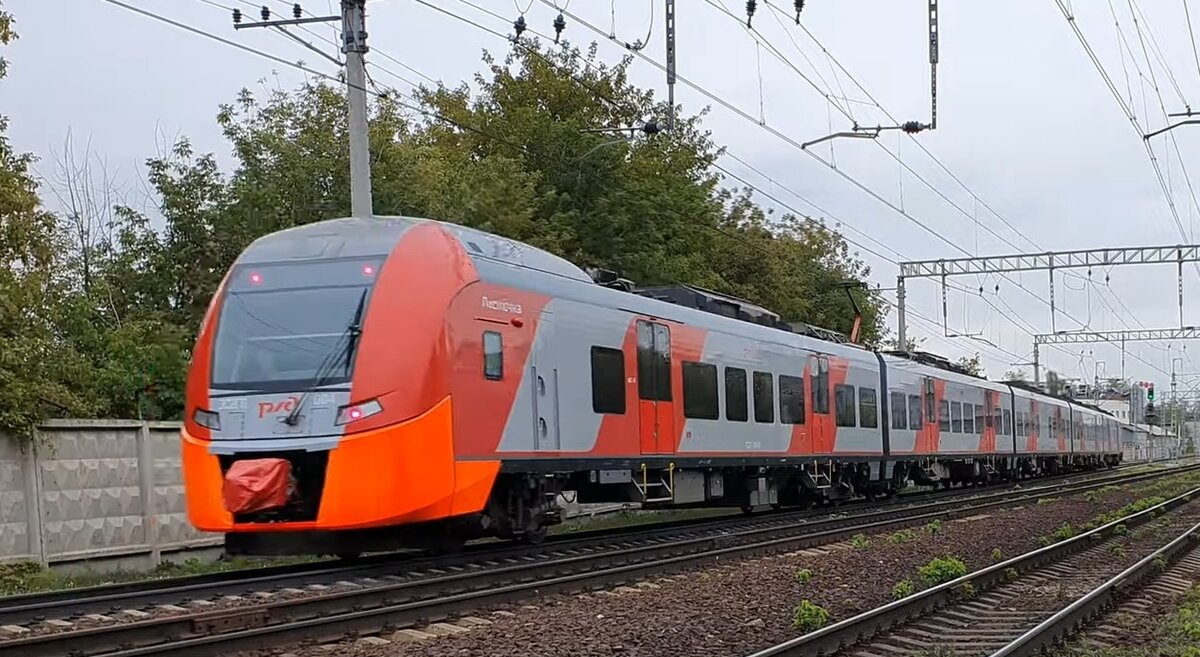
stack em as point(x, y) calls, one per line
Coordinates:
point(145, 453)
point(33, 499)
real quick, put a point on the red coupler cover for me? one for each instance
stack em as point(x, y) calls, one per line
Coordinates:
point(256, 485)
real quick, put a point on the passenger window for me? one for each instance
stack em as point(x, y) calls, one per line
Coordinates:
point(979, 418)
point(914, 413)
point(736, 407)
point(1007, 422)
point(968, 418)
point(995, 419)
point(868, 411)
point(898, 410)
point(608, 380)
point(944, 415)
point(764, 397)
point(955, 417)
point(700, 391)
point(820, 384)
point(493, 356)
point(791, 400)
point(844, 399)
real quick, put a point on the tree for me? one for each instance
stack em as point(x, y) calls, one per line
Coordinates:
point(972, 364)
point(39, 373)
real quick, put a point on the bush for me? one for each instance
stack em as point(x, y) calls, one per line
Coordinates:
point(933, 527)
point(967, 590)
point(1160, 563)
point(903, 536)
point(803, 576)
point(860, 541)
point(942, 569)
point(808, 617)
point(902, 589)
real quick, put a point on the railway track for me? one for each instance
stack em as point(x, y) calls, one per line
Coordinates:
point(1021, 606)
point(145, 595)
point(274, 616)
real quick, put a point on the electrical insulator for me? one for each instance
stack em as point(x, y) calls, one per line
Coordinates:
point(519, 26)
point(296, 11)
point(651, 127)
point(912, 127)
point(751, 5)
point(799, 8)
point(560, 24)
point(266, 13)
point(237, 16)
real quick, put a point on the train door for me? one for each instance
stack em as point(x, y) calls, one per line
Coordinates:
point(655, 407)
point(545, 378)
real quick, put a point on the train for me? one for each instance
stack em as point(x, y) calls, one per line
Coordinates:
point(364, 384)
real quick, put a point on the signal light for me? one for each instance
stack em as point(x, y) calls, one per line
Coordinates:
point(1150, 392)
point(354, 412)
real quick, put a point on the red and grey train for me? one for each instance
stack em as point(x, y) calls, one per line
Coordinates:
point(418, 381)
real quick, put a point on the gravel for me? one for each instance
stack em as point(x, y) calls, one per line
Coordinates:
point(745, 605)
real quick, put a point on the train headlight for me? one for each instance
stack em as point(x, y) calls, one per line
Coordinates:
point(207, 419)
point(352, 412)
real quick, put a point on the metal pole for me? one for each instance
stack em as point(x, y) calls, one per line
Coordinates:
point(354, 45)
point(901, 328)
point(1052, 313)
point(1037, 367)
point(670, 25)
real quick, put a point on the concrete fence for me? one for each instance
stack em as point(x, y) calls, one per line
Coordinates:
point(95, 490)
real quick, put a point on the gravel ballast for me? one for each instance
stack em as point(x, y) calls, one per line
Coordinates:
point(745, 605)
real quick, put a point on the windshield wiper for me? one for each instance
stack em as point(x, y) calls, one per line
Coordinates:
point(326, 368)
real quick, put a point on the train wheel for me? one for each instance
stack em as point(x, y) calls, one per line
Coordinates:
point(349, 556)
point(534, 536)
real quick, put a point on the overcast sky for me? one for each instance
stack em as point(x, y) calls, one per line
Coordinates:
point(1025, 121)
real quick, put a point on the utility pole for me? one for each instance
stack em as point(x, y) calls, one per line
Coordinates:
point(670, 29)
point(354, 46)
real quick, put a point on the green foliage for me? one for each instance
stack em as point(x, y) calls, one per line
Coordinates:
point(902, 536)
point(1160, 562)
point(1121, 530)
point(902, 589)
point(1091, 496)
point(808, 617)
point(1117, 550)
point(803, 576)
point(933, 527)
point(1047, 500)
point(1063, 532)
point(99, 308)
point(942, 569)
point(967, 590)
point(997, 555)
point(860, 542)
point(1011, 574)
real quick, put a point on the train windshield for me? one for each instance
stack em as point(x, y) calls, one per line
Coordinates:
point(275, 336)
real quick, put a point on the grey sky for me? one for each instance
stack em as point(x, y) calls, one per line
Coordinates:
point(1024, 120)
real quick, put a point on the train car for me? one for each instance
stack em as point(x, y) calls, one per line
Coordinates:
point(362, 384)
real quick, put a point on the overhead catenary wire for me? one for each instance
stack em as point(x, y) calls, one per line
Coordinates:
point(719, 101)
point(422, 109)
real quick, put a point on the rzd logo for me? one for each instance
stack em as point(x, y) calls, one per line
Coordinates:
point(283, 406)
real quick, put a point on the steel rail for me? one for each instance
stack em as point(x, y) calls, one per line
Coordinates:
point(100, 599)
point(1066, 621)
point(393, 606)
point(851, 631)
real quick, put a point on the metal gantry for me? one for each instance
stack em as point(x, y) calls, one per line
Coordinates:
point(1048, 261)
point(1116, 337)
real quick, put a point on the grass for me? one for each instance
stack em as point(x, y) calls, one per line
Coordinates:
point(1177, 636)
point(29, 577)
point(860, 542)
point(808, 617)
point(803, 576)
point(903, 589)
point(942, 569)
point(902, 536)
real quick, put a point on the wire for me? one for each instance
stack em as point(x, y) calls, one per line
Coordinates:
point(1191, 35)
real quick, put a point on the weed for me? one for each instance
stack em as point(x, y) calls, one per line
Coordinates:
point(1011, 574)
point(933, 527)
point(1120, 530)
point(903, 536)
point(1044, 541)
point(1091, 496)
point(860, 541)
point(808, 617)
point(997, 555)
point(803, 576)
point(1047, 500)
point(942, 569)
point(902, 589)
point(1064, 532)
point(1160, 562)
point(1117, 550)
point(967, 590)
